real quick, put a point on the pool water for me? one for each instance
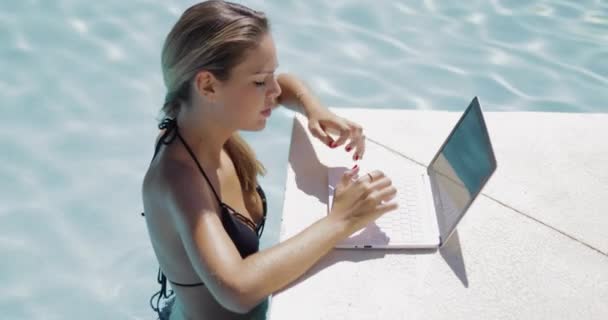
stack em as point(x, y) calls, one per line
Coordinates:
point(81, 87)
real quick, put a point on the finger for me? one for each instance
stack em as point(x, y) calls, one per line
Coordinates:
point(355, 128)
point(360, 149)
point(354, 138)
point(355, 135)
point(386, 194)
point(339, 128)
point(353, 142)
point(381, 190)
point(345, 133)
point(386, 207)
point(317, 131)
point(381, 183)
point(367, 183)
point(371, 176)
point(348, 175)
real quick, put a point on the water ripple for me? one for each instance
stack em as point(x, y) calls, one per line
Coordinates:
point(81, 88)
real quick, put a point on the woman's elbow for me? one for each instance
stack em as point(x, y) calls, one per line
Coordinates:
point(240, 299)
point(240, 307)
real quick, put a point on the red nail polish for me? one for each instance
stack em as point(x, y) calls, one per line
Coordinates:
point(355, 167)
point(348, 149)
point(357, 157)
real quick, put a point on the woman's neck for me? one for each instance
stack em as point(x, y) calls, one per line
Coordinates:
point(205, 136)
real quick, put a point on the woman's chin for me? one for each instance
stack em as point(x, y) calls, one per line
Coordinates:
point(259, 126)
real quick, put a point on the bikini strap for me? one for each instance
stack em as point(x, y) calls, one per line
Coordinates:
point(260, 228)
point(163, 293)
point(172, 131)
point(168, 136)
point(198, 164)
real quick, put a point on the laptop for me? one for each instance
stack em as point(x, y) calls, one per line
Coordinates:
point(432, 200)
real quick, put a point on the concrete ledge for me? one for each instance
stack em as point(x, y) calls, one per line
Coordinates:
point(548, 262)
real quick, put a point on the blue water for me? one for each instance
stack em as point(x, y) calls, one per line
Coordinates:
point(80, 86)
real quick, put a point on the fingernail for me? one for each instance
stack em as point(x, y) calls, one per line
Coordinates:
point(357, 157)
point(332, 144)
point(348, 149)
point(355, 167)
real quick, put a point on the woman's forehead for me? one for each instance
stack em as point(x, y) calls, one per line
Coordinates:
point(261, 59)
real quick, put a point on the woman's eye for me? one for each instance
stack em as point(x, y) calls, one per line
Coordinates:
point(259, 83)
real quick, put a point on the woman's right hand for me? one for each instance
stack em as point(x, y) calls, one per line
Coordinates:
point(361, 200)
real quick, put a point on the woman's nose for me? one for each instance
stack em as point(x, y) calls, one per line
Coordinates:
point(275, 90)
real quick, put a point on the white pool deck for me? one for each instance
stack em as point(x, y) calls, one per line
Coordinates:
point(534, 245)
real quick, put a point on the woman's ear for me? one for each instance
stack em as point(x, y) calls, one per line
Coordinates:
point(206, 84)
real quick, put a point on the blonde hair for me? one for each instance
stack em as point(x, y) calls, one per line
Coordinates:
point(214, 36)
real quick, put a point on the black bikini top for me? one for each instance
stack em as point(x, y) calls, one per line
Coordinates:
point(243, 231)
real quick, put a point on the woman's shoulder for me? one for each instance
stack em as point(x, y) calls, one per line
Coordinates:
point(173, 180)
point(183, 187)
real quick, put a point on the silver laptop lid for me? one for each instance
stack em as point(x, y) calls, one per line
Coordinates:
point(460, 169)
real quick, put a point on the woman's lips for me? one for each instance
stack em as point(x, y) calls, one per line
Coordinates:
point(266, 112)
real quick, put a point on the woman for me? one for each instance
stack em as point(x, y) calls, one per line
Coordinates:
point(204, 209)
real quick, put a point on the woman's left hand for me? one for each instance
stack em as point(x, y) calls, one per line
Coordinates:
point(321, 122)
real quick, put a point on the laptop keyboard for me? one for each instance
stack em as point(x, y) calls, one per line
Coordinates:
point(403, 225)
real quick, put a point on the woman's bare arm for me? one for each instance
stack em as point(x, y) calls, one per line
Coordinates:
point(240, 284)
point(295, 94)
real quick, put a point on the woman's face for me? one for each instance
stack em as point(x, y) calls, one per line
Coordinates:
point(252, 88)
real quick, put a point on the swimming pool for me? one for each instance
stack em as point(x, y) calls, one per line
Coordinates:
point(81, 86)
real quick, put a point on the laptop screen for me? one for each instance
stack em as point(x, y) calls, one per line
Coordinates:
point(461, 168)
